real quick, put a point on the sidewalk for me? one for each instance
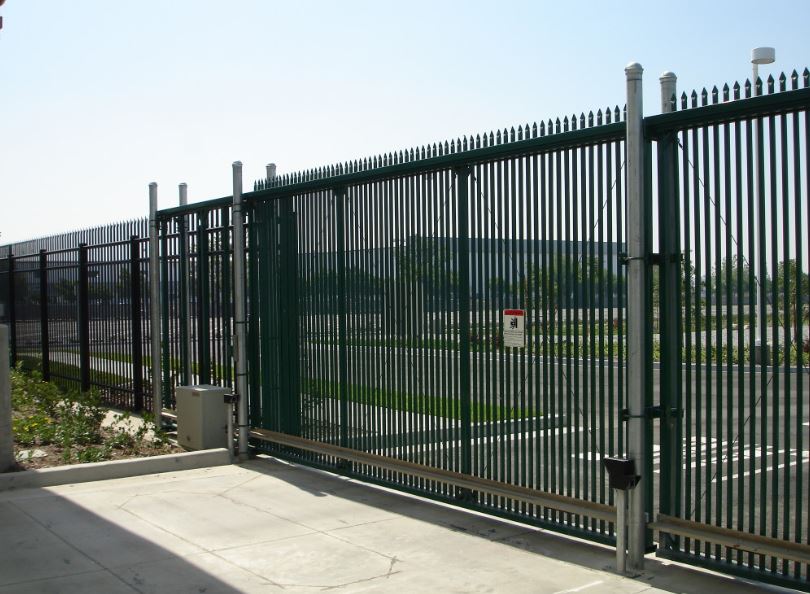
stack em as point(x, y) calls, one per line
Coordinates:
point(267, 526)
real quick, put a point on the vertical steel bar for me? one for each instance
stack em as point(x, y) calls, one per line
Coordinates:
point(185, 291)
point(12, 306)
point(240, 324)
point(84, 319)
point(43, 314)
point(636, 310)
point(165, 309)
point(343, 353)
point(670, 309)
point(154, 303)
point(135, 320)
point(462, 177)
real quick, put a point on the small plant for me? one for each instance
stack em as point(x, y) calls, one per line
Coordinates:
point(69, 424)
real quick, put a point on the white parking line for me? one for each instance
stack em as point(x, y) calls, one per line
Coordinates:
point(580, 588)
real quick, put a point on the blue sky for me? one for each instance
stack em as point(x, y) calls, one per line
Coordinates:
point(101, 97)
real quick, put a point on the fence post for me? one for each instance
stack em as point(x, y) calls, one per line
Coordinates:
point(43, 314)
point(637, 303)
point(84, 318)
point(154, 305)
point(343, 353)
point(135, 309)
point(6, 438)
point(12, 308)
point(239, 313)
point(669, 308)
point(462, 175)
point(185, 291)
point(203, 301)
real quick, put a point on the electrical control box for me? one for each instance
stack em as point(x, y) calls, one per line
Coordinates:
point(202, 421)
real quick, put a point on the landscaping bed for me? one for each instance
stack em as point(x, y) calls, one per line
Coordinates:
point(52, 427)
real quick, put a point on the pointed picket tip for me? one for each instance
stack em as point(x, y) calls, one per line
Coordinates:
point(794, 80)
point(542, 128)
point(806, 77)
point(782, 82)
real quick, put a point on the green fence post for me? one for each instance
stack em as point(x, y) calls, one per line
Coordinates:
point(462, 175)
point(164, 302)
point(43, 314)
point(290, 396)
point(343, 354)
point(203, 297)
point(669, 217)
point(84, 319)
point(12, 309)
point(135, 324)
point(185, 313)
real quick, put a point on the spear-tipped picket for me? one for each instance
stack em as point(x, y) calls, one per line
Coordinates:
point(590, 119)
point(794, 80)
point(782, 82)
point(715, 95)
point(770, 84)
point(736, 91)
point(599, 117)
point(806, 78)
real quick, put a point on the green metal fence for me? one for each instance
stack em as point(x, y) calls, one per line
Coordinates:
point(733, 175)
point(386, 299)
point(75, 303)
point(377, 297)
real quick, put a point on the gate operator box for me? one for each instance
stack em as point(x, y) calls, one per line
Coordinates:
point(202, 423)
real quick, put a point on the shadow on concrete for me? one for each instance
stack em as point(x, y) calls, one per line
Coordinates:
point(51, 544)
point(661, 574)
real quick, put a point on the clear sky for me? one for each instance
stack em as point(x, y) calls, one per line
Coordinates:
point(101, 97)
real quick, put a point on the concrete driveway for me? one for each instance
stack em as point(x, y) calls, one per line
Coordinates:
point(268, 526)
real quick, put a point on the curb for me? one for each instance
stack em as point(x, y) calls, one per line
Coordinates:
point(100, 471)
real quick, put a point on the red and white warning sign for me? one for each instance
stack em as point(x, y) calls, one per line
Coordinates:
point(514, 328)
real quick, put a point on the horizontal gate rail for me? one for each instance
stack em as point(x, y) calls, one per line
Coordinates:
point(733, 539)
point(555, 501)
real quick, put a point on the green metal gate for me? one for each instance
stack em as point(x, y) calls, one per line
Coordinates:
point(733, 205)
point(377, 292)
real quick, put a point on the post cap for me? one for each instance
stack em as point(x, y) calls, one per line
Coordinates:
point(153, 184)
point(667, 77)
point(183, 185)
point(237, 163)
point(633, 70)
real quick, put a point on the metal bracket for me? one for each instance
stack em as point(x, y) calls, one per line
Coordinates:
point(652, 412)
point(653, 259)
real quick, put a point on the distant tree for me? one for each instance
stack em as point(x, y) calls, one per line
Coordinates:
point(795, 284)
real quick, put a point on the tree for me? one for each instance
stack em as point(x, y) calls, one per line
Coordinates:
point(795, 285)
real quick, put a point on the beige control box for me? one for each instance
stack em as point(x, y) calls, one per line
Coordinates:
point(202, 421)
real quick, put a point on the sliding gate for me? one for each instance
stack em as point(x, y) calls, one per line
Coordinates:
point(733, 206)
point(378, 291)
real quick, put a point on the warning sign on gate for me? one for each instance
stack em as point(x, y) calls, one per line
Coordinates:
point(514, 328)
